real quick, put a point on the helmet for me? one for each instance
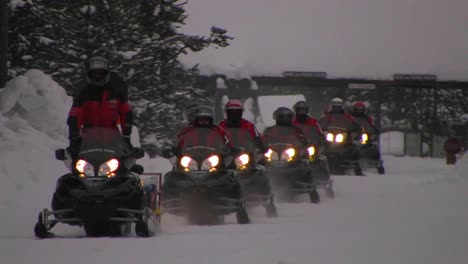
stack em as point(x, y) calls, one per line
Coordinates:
point(359, 108)
point(301, 108)
point(337, 105)
point(283, 116)
point(190, 111)
point(97, 71)
point(234, 110)
point(203, 117)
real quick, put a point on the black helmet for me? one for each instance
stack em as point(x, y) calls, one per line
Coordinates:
point(189, 112)
point(203, 116)
point(283, 116)
point(301, 109)
point(97, 71)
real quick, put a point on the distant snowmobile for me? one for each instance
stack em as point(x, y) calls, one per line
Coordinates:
point(201, 187)
point(255, 182)
point(287, 158)
point(103, 192)
point(341, 151)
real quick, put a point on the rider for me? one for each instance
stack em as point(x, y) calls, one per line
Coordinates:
point(102, 101)
point(303, 120)
point(339, 117)
point(284, 118)
point(234, 110)
point(359, 113)
point(198, 117)
point(312, 129)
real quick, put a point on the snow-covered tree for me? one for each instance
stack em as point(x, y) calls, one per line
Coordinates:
point(140, 38)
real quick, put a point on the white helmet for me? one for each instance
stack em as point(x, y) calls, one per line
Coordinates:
point(337, 101)
point(337, 105)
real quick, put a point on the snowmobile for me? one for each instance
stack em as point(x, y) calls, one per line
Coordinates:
point(255, 183)
point(200, 186)
point(288, 166)
point(370, 154)
point(317, 161)
point(103, 193)
point(341, 151)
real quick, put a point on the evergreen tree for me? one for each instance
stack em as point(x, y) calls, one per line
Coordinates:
point(139, 37)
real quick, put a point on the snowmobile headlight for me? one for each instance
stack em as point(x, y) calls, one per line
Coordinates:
point(339, 138)
point(84, 168)
point(242, 161)
point(210, 163)
point(288, 154)
point(364, 138)
point(311, 150)
point(108, 168)
point(188, 163)
point(330, 137)
point(271, 155)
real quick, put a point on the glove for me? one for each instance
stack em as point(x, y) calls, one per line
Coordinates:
point(128, 142)
point(169, 152)
point(74, 147)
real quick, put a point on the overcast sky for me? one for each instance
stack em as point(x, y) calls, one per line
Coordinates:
point(345, 38)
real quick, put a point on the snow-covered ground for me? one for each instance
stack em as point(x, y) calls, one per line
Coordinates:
point(416, 213)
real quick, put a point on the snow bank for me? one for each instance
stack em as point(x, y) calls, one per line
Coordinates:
point(392, 143)
point(39, 101)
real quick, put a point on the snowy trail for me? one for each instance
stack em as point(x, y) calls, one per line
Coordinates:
point(415, 214)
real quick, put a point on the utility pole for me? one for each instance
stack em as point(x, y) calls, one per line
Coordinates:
point(3, 41)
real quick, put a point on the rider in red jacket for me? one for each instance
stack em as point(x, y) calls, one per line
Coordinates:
point(101, 102)
point(306, 122)
point(337, 116)
point(234, 110)
point(359, 113)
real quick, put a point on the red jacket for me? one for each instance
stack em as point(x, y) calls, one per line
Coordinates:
point(366, 123)
point(188, 135)
point(309, 123)
point(250, 128)
point(341, 119)
point(101, 107)
point(244, 124)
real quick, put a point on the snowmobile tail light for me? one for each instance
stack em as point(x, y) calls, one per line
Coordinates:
point(271, 155)
point(311, 150)
point(364, 138)
point(108, 167)
point(288, 154)
point(339, 138)
point(84, 167)
point(188, 163)
point(330, 137)
point(210, 163)
point(242, 161)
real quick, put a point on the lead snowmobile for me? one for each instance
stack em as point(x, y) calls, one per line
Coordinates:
point(201, 186)
point(103, 192)
point(255, 183)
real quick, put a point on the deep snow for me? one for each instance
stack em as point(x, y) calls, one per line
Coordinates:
point(416, 213)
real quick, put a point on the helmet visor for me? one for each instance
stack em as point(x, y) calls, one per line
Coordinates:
point(98, 76)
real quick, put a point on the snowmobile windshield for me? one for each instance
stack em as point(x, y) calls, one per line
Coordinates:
point(103, 142)
point(241, 138)
point(282, 135)
point(364, 123)
point(338, 120)
point(203, 138)
point(310, 133)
